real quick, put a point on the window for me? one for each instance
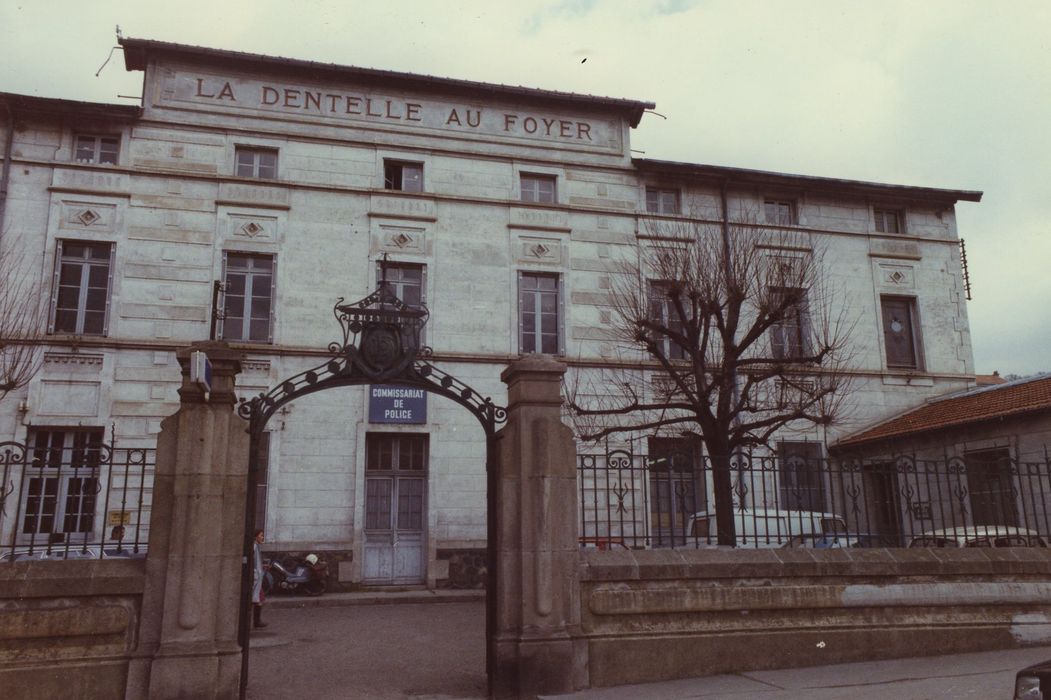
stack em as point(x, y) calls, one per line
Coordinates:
point(96, 149)
point(900, 332)
point(538, 188)
point(780, 212)
point(83, 277)
point(888, 221)
point(802, 480)
point(61, 490)
point(256, 162)
point(676, 489)
point(248, 301)
point(400, 175)
point(408, 282)
point(663, 311)
point(790, 336)
point(538, 311)
point(662, 201)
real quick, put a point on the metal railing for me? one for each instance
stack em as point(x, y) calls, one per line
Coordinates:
point(633, 501)
point(85, 502)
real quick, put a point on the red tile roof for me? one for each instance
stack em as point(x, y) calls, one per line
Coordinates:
point(972, 406)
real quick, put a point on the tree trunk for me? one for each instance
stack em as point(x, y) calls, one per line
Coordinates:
point(722, 481)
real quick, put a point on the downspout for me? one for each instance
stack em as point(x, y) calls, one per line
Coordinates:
point(5, 174)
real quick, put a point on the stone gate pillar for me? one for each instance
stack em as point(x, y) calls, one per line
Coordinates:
point(187, 645)
point(536, 646)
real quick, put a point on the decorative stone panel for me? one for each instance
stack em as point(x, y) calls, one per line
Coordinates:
point(539, 249)
point(896, 276)
point(89, 216)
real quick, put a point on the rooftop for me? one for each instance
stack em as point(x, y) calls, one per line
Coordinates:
point(971, 406)
point(137, 53)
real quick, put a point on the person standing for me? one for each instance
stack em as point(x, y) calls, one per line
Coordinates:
point(257, 580)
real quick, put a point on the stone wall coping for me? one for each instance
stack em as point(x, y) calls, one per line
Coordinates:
point(720, 563)
point(73, 578)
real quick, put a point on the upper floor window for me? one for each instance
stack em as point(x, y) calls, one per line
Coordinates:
point(256, 162)
point(402, 175)
point(248, 306)
point(406, 280)
point(662, 201)
point(539, 299)
point(780, 212)
point(81, 290)
point(96, 149)
point(663, 311)
point(900, 332)
point(538, 188)
point(789, 337)
point(888, 221)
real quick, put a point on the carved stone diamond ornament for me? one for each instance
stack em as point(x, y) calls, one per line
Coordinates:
point(88, 217)
point(251, 229)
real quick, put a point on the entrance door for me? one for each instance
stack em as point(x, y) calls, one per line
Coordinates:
point(882, 504)
point(395, 488)
point(992, 489)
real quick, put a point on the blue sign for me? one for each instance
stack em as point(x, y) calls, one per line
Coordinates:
point(389, 403)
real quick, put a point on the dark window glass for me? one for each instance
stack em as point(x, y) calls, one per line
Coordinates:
point(256, 162)
point(538, 188)
point(538, 313)
point(789, 337)
point(663, 310)
point(62, 493)
point(96, 149)
point(248, 297)
point(399, 175)
point(802, 476)
point(779, 212)
point(899, 330)
point(83, 288)
point(888, 221)
point(662, 201)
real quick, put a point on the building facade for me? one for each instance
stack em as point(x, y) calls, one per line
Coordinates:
point(501, 209)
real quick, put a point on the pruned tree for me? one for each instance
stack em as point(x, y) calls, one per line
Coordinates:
point(730, 331)
point(23, 319)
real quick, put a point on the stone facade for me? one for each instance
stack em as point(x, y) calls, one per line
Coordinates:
point(321, 172)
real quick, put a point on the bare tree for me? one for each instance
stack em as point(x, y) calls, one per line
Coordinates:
point(740, 332)
point(23, 319)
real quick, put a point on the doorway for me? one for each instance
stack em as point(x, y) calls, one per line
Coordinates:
point(395, 508)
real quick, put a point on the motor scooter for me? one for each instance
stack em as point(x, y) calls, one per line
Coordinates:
point(308, 575)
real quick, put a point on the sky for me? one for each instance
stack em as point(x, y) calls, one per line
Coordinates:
point(942, 94)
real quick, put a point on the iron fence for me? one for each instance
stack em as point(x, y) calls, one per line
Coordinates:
point(984, 499)
point(67, 495)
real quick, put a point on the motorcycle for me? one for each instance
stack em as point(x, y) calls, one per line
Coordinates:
point(308, 575)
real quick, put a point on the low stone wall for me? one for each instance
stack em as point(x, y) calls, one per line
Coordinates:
point(68, 628)
point(652, 615)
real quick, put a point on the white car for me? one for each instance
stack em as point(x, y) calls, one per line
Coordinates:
point(980, 536)
point(766, 527)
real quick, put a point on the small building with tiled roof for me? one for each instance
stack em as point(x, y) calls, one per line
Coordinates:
point(1013, 418)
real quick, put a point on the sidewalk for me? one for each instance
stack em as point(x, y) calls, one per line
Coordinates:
point(978, 676)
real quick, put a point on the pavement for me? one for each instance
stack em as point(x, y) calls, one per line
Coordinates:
point(401, 646)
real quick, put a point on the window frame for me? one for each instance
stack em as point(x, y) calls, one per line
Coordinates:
point(660, 310)
point(916, 341)
point(788, 487)
point(781, 202)
point(256, 152)
point(658, 207)
point(62, 471)
point(559, 313)
point(398, 285)
point(398, 164)
point(537, 179)
point(801, 312)
point(82, 289)
point(881, 215)
point(221, 332)
point(97, 151)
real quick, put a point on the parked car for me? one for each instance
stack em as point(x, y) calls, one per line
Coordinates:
point(766, 527)
point(1034, 682)
point(980, 536)
point(839, 540)
point(56, 553)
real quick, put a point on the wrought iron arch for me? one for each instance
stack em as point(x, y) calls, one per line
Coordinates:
point(380, 345)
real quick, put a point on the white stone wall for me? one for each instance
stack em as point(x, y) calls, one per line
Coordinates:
point(172, 206)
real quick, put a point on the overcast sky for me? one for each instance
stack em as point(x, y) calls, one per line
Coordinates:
point(933, 93)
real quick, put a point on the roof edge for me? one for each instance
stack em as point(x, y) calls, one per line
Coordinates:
point(54, 105)
point(138, 51)
point(770, 177)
